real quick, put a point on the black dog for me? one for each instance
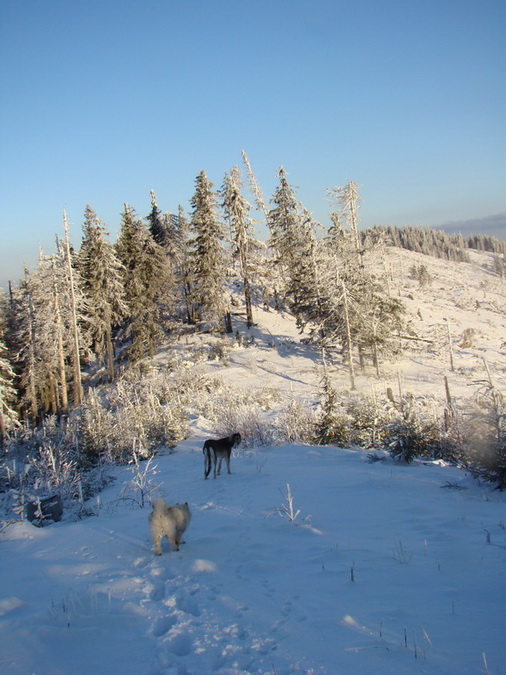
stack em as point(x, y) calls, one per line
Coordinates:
point(215, 450)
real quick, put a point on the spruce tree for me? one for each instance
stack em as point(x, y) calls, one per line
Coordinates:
point(76, 305)
point(156, 300)
point(129, 245)
point(237, 209)
point(155, 220)
point(283, 224)
point(48, 326)
point(101, 273)
point(293, 240)
point(208, 255)
point(8, 415)
point(349, 200)
point(183, 264)
point(147, 281)
point(303, 277)
point(22, 345)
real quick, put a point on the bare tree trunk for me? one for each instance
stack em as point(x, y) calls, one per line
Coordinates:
point(61, 354)
point(261, 206)
point(348, 336)
point(110, 354)
point(227, 320)
point(448, 413)
point(78, 387)
point(450, 346)
point(375, 358)
point(2, 422)
point(247, 289)
point(354, 214)
point(32, 391)
point(52, 396)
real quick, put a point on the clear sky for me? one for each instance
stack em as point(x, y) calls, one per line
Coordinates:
point(103, 100)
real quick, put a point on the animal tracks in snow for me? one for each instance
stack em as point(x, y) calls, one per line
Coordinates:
point(198, 627)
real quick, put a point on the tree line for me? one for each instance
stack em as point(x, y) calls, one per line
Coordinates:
point(436, 243)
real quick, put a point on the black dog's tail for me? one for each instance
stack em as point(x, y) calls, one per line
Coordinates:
point(207, 459)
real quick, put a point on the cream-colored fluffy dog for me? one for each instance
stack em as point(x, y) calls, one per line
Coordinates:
point(168, 521)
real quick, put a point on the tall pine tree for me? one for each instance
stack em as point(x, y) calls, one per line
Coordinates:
point(8, 414)
point(101, 274)
point(148, 284)
point(237, 210)
point(208, 255)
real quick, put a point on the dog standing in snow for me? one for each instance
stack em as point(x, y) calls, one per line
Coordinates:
point(168, 521)
point(215, 450)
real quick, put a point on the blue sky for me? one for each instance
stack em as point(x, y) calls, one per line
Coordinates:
point(104, 100)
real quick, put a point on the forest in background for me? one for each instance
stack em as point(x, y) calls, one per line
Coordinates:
point(78, 334)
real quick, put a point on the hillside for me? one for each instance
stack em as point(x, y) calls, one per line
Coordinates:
point(388, 567)
point(459, 297)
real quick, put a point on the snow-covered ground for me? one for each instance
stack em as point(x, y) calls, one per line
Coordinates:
point(386, 569)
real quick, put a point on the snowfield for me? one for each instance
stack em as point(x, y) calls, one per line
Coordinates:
point(385, 569)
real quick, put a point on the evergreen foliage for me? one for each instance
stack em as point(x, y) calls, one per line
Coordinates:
point(237, 209)
point(207, 255)
point(332, 427)
point(293, 241)
point(8, 395)
point(484, 242)
point(22, 343)
point(283, 223)
point(148, 282)
point(420, 239)
point(302, 285)
point(45, 335)
point(156, 222)
point(101, 273)
point(410, 436)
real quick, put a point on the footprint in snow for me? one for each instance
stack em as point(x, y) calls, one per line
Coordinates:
point(187, 604)
point(163, 625)
point(180, 644)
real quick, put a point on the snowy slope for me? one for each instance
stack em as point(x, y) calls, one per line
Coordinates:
point(384, 571)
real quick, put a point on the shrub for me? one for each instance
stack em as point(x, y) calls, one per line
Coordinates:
point(486, 435)
point(411, 436)
point(333, 424)
point(296, 422)
point(369, 419)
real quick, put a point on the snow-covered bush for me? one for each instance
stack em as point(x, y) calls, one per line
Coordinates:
point(55, 470)
point(368, 419)
point(96, 425)
point(232, 409)
point(229, 408)
point(333, 423)
point(296, 422)
point(147, 410)
point(47, 463)
point(468, 336)
point(141, 487)
point(485, 433)
point(412, 435)
point(421, 274)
